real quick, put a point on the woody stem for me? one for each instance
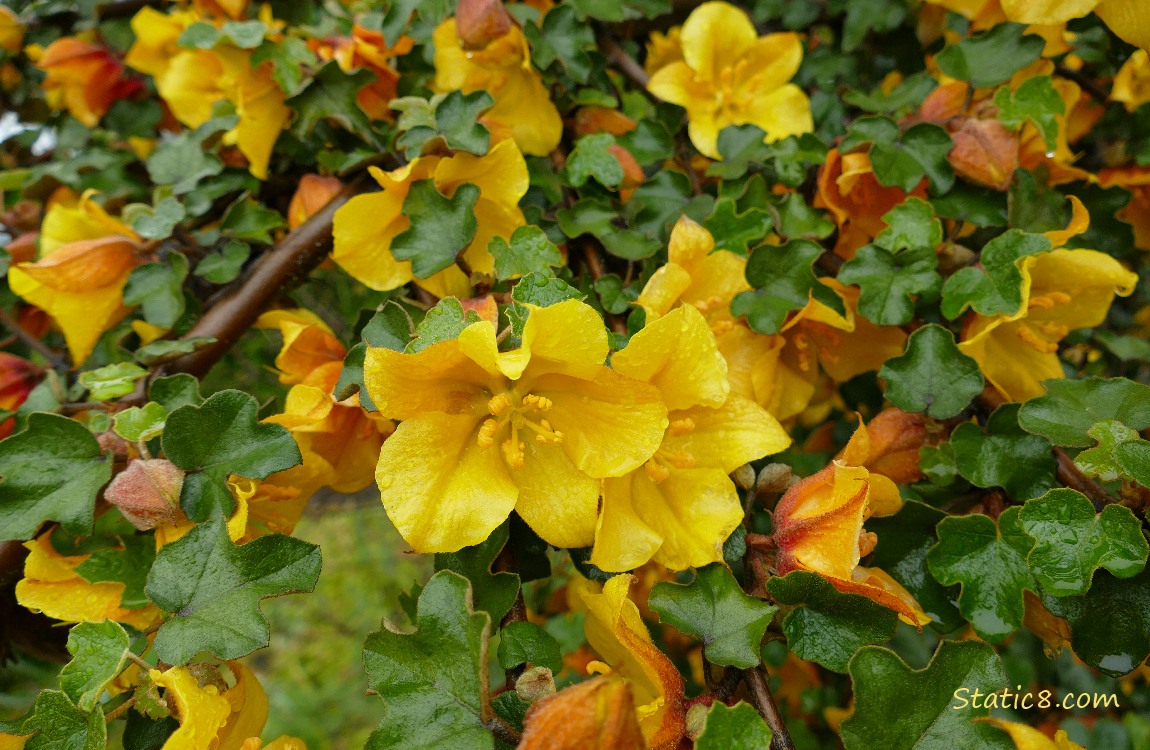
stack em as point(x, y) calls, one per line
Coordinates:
point(765, 704)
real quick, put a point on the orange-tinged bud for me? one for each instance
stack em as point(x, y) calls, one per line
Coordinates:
point(602, 120)
point(818, 522)
point(986, 152)
point(484, 307)
point(632, 172)
point(598, 713)
point(480, 22)
point(314, 192)
point(147, 492)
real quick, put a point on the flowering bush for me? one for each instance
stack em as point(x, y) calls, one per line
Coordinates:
point(762, 375)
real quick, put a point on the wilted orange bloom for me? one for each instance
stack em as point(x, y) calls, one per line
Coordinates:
point(985, 151)
point(11, 30)
point(1137, 211)
point(18, 377)
point(598, 713)
point(368, 50)
point(51, 585)
point(818, 526)
point(888, 448)
point(849, 189)
point(314, 192)
point(85, 78)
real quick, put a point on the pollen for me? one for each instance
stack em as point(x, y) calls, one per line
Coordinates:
point(680, 427)
point(536, 403)
point(1034, 341)
point(499, 405)
point(657, 471)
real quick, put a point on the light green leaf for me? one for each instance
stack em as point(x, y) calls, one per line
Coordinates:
point(99, 651)
point(738, 727)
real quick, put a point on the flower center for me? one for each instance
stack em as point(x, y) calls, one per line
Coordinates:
point(512, 414)
point(659, 466)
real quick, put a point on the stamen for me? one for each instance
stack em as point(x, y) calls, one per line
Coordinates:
point(683, 426)
point(487, 432)
point(1034, 341)
point(657, 471)
point(536, 403)
point(499, 405)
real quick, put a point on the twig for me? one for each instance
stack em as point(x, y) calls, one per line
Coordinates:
point(1069, 474)
point(501, 730)
point(765, 704)
point(120, 710)
point(282, 267)
point(31, 341)
point(627, 65)
point(726, 687)
point(1088, 85)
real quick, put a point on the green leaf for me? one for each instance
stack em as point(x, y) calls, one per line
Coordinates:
point(910, 225)
point(738, 727)
point(1133, 459)
point(1035, 206)
point(457, 117)
point(224, 266)
point(112, 381)
point(997, 285)
point(180, 161)
point(736, 231)
point(390, 327)
point(783, 280)
point(99, 651)
point(743, 148)
point(529, 250)
point(214, 587)
point(249, 220)
point(223, 436)
point(562, 38)
point(52, 471)
point(157, 223)
point(888, 282)
point(175, 391)
point(159, 289)
point(434, 680)
point(441, 227)
point(989, 561)
point(904, 97)
point(331, 96)
point(1101, 461)
point(493, 593)
point(714, 609)
point(165, 350)
point(1071, 541)
point(921, 152)
point(290, 57)
point(797, 220)
point(899, 708)
point(527, 643)
point(827, 626)
point(904, 540)
point(1035, 100)
point(1005, 456)
point(591, 158)
point(1070, 408)
point(1109, 628)
point(141, 422)
point(615, 298)
point(59, 725)
point(127, 563)
point(992, 57)
point(443, 322)
point(932, 376)
point(539, 290)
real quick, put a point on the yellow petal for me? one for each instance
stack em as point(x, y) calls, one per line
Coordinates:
point(783, 112)
point(248, 705)
point(439, 378)
point(364, 229)
point(663, 290)
point(1046, 11)
point(676, 83)
point(715, 36)
point(568, 337)
point(72, 219)
point(693, 510)
point(623, 541)
point(677, 353)
point(523, 104)
point(1132, 84)
point(1028, 738)
point(1129, 19)
point(1009, 360)
point(557, 501)
point(500, 175)
point(259, 103)
point(1079, 223)
point(441, 490)
point(202, 711)
point(726, 438)
point(1090, 278)
point(610, 425)
point(190, 85)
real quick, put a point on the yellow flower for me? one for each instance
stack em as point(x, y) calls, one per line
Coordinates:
point(502, 68)
point(731, 76)
point(485, 432)
point(1061, 290)
point(191, 81)
point(1129, 19)
point(51, 585)
point(1132, 84)
point(86, 257)
point(1029, 738)
point(682, 505)
point(11, 30)
point(211, 718)
point(367, 224)
point(616, 632)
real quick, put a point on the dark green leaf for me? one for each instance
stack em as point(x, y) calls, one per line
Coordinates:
point(783, 279)
point(996, 287)
point(457, 117)
point(214, 587)
point(331, 96)
point(827, 626)
point(714, 609)
point(528, 250)
point(897, 708)
point(493, 593)
point(181, 161)
point(127, 564)
point(989, 561)
point(540, 290)
point(59, 725)
point(99, 652)
point(1109, 627)
point(527, 643)
point(249, 220)
point(888, 282)
point(158, 223)
point(736, 231)
point(591, 157)
point(1035, 100)
point(992, 57)
point(932, 375)
point(1071, 541)
point(224, 266)
point(175, 391)
point(433, 680)
point(52, 471)
point(921, 152)
point(390, 328)
point(1133, 459)
point(1101, 460)
point(223, 436)
point(615, 298)
point(290, 57)
point(1071, 407)
point(443, 322)
point(562, 38)
point(1005, 456)
point(902, 98)
point(159, 290)
point(738, 727)
point(441, 227)
point(910, 225)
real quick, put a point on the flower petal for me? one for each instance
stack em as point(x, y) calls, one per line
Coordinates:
point(623, 541)
point(557, 501)
point(202, 711)
point(728, 437)
point(440, 378)
point(693, 510)
point(716, 35)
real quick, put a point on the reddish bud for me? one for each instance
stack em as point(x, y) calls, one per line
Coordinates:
point(480, 22)
point(147, 492)
point(986, 152)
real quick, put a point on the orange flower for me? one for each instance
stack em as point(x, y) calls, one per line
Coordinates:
point(1137, 211)
point(18, 377)
point(888, 448)
point(368, 50)
point(84, 78)
point(597, 713)
point(849, 189)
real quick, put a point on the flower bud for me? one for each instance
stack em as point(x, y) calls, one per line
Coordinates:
point(480, 22)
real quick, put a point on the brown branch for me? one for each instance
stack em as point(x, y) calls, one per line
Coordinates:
point(627, 65)
point(765, 704)
point(1069, 474)
point(284, 266)
point(31, 341)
